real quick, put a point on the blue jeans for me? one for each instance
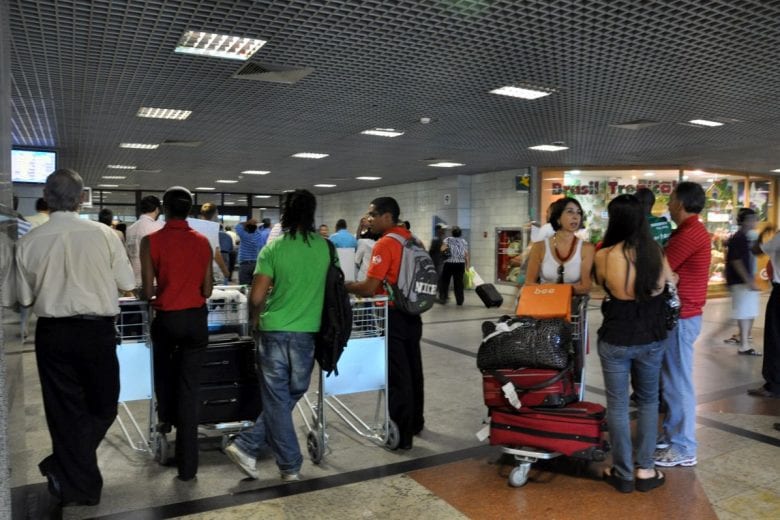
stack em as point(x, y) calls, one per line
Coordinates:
point(677, 386)
point(644, 362)
point(286, 360)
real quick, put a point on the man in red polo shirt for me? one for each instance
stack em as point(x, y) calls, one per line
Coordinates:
point(688, 253)
point(405, 372)
point(180, 259)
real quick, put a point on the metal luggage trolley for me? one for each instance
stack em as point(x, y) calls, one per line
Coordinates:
point(134, 352)
point(362, 368)
point(228, 310)
point(525, 456)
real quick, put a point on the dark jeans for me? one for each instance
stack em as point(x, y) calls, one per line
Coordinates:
point(405, 374)
point(771, 364)
point(246, 270)
point(455, 271)
point(179, 339)
point(79, 374)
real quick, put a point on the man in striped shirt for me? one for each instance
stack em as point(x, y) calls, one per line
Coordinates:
point(688, 253)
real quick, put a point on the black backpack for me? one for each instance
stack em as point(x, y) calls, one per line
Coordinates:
point(336, 324)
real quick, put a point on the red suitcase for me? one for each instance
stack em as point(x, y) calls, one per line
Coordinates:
point(575, 431)
point(534, 387)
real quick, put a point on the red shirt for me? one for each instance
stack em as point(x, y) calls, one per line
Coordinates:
point(688, 253)
point(386, 258)
point(181, 257)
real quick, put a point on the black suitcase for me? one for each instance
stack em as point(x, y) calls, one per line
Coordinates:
point(489, 295)
point(229, 362)
point(230, 402)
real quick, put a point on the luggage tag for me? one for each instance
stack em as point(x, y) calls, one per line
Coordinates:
point(511, 395)
point(484, 433)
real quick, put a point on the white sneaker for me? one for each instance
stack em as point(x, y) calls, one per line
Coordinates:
point(242, 460)
point(291, 477)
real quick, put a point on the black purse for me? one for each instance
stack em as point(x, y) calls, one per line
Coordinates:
point(671, 306)
point(525, 343)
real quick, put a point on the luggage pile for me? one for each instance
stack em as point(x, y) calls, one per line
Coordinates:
point(533, 381)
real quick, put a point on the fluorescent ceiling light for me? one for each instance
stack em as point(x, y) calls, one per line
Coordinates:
point(324, 185)
point(776, 171)
point(229, 203)
point(288, 191)
point(310, 155)
point(114, 177)
point(574, 172)
point(120, 167)
point(445, 164)
point(383, 132)
point(365, 178)
point(205, 188)
point(548, 148)
point(163, 113)
point(520, 92)
point(218, 45)
point(108, 185)
point(139, 146)
point(226, 181)
point(704, 122)
point(262, 196)
point(649, 174)
point(256, 172)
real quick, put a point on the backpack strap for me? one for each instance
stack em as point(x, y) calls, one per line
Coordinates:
point(403, 240)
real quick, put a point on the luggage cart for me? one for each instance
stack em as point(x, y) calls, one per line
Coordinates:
point(228, 310)
point(134, 352)
point(525, 456)
point(362, 368)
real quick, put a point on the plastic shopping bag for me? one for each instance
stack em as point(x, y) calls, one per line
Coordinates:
point(468, 279)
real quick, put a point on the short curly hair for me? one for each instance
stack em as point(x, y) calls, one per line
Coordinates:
point(557, 209)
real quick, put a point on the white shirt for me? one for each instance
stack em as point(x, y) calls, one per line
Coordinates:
point(772, 248)
point(572, 268)
point(145, 225)
point(210, 230)
point(37, 219)
point(72, 266)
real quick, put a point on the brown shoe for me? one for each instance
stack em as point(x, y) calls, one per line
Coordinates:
point(763, 392)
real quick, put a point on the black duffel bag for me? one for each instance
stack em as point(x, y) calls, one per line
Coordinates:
point(525, 343)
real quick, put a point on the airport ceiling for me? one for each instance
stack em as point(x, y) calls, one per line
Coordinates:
point(83, 69)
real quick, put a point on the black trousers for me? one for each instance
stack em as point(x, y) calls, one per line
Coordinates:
point(79, 374)
point(179, 340)
point(405, 374)
point(455, 271)
point(771, 364)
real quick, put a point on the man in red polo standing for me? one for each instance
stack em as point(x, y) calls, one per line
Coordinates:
point(180, 259)
point(405, 372)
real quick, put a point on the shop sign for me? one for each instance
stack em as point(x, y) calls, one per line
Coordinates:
point(613, 187)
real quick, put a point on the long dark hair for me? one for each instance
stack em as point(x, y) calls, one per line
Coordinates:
point(628, 224)
point(298, 213)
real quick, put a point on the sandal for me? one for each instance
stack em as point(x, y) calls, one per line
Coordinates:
point(749, 352)
point(648, 484)
point(624, 486)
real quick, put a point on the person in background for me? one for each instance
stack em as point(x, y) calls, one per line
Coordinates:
point(265, 232)
point(408, 225)
point(365, 245)
point(362, 228)
point(633, 271)
point(740, 277)
point(179, 258)
point(248, 249)
point(324, 231)
point(435, 250)
point(106, 216)
point(208, 226)
point(688, 253)
point(42, 213)
point(287, 318)
point(455, 265)
point(75, 340)
point(146, 224)
point(234, 251)
point(342, 238)
point(226, 249)
point(563, 258)
point(660, 228)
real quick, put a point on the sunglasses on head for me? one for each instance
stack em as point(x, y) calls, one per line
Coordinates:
point(560, 273)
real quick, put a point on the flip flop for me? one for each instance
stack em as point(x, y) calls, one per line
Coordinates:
point(749, 352)
point(648, 484)
point(624, 486)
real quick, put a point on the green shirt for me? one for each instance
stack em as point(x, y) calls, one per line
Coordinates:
point(298, 271)
point(660, 228)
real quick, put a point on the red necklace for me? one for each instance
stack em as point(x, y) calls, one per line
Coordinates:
point(564, 259)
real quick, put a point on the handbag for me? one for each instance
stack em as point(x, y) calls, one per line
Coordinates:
point(545, 301)
point(671, 306)
point(525, 343)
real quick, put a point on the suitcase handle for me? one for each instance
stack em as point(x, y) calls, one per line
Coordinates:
point(216, 363)
point(538, 386)
point(219, 401)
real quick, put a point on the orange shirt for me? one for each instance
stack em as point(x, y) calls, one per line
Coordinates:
point(386, 258)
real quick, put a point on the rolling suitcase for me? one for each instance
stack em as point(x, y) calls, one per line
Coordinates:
point(529, 387)
point(575, 430)
point(229, 361)
point(230, 402)
point(489, 295)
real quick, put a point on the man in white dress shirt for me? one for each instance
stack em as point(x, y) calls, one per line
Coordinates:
point(70, 270)
point(146, 224)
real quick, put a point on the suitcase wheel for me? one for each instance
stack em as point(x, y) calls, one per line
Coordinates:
point(519, 474)
point(392, 436)
point(162, 449)
point(315, 447)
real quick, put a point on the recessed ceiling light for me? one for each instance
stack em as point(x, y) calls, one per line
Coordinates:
point(120, 167)
point(548, 148)
point(139, 146)
point(262, 196)
point(229, 203)
point(704, 122)
point(445, 164)
point(205, 188)
point(218, 45)
point(310, 155)
point(256, 172)
point(520, 92)
point(114, 177)
point(324, 185)
point(383, 132)
point(163, 113)
point(108, 185)
point(226, 181)
point(366, 178)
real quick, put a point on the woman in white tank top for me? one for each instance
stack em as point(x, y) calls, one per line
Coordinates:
point(563, 258)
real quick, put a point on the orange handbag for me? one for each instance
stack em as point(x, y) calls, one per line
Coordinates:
point(545, 301)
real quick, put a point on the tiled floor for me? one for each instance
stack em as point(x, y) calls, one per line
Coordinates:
point(449, 473)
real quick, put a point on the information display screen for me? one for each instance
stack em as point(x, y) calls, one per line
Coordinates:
point(32, 165)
